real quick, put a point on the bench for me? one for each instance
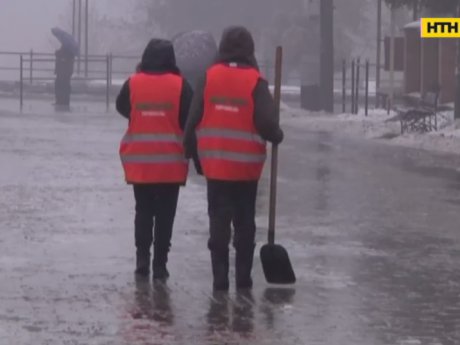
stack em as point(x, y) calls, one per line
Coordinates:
point(419, 115)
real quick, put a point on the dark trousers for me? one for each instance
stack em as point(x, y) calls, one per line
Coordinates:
point(62, 89)
point(156, 206)
point(232, 203)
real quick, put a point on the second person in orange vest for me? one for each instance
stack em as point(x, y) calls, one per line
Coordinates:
point(233, 114)
point(156, 100)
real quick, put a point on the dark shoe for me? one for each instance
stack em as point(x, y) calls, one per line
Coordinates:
point(244, 284)
point(221, 285)
point(243, 267)
point(160, 272)
point(142, 264)
point(220, 282)
point(220, 271)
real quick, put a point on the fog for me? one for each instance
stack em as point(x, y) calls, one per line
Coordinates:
point(124, 26)
point(26, 24)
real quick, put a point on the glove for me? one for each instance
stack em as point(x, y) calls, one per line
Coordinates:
point(279, 137)
point(198, 168)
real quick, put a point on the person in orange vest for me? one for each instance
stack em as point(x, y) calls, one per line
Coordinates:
point(156, 100)
point(232, 114)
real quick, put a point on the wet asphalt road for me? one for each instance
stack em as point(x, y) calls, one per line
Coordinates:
point(373, 232)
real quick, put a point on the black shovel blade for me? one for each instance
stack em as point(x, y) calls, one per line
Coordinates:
point(276, 264)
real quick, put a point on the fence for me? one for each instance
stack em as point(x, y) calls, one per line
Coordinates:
point(359, 87)
point(354, 88)
point(35, 67)
point(38, 67)
point(351, 88)
point(120, 63)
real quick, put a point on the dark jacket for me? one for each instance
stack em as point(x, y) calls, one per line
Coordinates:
point(237, 46)
point(64, 66)
point(159, 58)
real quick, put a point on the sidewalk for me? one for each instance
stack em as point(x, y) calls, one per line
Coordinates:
point(372, 232)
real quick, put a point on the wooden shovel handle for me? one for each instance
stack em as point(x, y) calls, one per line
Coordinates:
point(274, 160)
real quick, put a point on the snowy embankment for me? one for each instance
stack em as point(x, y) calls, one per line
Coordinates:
point(378, 125)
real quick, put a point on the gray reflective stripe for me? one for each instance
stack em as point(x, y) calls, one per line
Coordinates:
point(154, 158)
point(233, 156)
point(229, 134)
point(142, 138)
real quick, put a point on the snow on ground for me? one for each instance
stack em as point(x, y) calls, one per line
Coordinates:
point(447, 139)
point(378, 125)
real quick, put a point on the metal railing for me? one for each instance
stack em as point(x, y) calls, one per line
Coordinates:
point(28, 62)
point(352, 88)
point(359, 86)
point(32, 69)
point(35, 67)
point(121, 65)
point(355, 86)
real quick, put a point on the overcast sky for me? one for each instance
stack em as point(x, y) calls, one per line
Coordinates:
point(26, 24)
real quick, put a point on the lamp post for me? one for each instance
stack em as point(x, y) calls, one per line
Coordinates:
point(327, 55)
point(379, 45)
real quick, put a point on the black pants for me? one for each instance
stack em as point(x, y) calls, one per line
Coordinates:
point(155, 204)
point(62, 89)
point(232, 203)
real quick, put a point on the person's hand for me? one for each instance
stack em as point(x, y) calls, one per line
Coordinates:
point(199, 171)
point(198, 168)
point(279, 137)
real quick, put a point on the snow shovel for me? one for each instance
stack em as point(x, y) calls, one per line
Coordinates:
point(275, 259)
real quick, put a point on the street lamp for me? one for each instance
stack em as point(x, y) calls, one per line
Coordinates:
point(379, 45)
point(327, 55)
point(86, 36)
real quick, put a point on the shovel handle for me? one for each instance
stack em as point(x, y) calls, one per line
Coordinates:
point(274, 160)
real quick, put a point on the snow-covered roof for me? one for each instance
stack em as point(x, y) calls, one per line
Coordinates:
point(413, 25)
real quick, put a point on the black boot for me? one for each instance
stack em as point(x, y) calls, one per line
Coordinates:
point(160, 258)
point(142, 263)
point(220, 270)
point(243, 267)
point(160, 272)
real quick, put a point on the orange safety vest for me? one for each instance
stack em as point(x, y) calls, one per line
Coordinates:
point(151, 151)
point(229, 146)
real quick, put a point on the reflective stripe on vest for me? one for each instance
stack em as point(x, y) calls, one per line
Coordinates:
point(233, 156)
point(153, 158)
point(145, 138)
point(229, 134)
